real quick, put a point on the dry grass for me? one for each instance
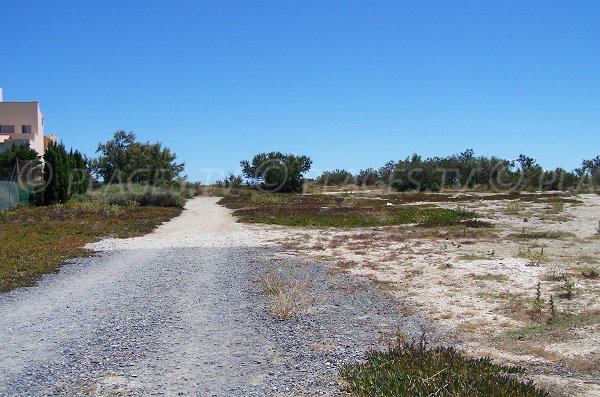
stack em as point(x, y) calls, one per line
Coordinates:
point(323, 347)
point(286, 296)
point(341, 267)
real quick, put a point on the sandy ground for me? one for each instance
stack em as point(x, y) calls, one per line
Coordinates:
point(205, 224)
point(482, 282)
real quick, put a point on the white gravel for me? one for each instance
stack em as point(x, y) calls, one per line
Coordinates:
point(203, 224)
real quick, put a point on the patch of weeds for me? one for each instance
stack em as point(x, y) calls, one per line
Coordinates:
point(567, 289)
point(559, 324)
point(478, 257)
point(590, 272)
point(341, 267)
point(558, 200)
point(533, 258)
point(539, 235)
point(513, 208)
point(386, 286)
point(477, 224)
point(556, 274)
point(589, 259)
point(332, 211)
point(557, 206)
point(413, 369)
point(490, 277)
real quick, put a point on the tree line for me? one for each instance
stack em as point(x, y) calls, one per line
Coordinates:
point(468, 171)
point(60, 174)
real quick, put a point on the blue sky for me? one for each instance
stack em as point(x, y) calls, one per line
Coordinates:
point(352, 84)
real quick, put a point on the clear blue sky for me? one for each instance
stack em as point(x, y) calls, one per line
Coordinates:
point(353, 84)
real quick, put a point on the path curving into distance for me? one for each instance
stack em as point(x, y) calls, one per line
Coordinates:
point(181, 311)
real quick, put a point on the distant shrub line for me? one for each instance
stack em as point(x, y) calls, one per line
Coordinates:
point(467, 171)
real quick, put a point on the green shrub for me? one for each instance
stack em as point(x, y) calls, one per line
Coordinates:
point(64, 174)
point(337, 177)
point(413, 370)
point(127, 195)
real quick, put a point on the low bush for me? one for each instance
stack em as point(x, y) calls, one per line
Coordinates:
point(414, 370)
point(126, 195)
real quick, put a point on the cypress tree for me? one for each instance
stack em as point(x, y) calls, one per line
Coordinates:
point(64, 175)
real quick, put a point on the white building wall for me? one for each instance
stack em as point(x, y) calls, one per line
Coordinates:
point(19, 114)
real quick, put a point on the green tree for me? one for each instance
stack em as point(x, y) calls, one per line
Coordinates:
point(55, 174)
point(125, 160)
point(337, 177)
point(20, 158)
point(368, 177)
point(65, 174)
point(276, 171)
point(531, 173)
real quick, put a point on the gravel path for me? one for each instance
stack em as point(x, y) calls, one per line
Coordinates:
point(181, 312)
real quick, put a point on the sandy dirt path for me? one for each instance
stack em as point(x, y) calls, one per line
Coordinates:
point(181, 312)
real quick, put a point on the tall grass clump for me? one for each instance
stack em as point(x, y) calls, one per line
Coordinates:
point(128, 194)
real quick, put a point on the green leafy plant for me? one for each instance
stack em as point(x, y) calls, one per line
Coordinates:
point(534, 258)
point(513, 208)
point(412, 369)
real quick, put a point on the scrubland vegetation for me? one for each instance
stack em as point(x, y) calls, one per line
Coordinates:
point(334, 211)
point(480, 281)
point(467, 171)
point(37, 240)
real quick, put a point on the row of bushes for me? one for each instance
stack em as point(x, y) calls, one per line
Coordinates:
point(465, 170)
point(137, 194)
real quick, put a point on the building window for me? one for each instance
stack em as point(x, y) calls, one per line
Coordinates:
point(26, 129)
point(7, 129)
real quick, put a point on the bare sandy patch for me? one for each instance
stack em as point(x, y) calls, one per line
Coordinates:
point(482, 282)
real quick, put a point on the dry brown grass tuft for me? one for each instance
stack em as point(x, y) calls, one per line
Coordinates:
point(287, 297)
